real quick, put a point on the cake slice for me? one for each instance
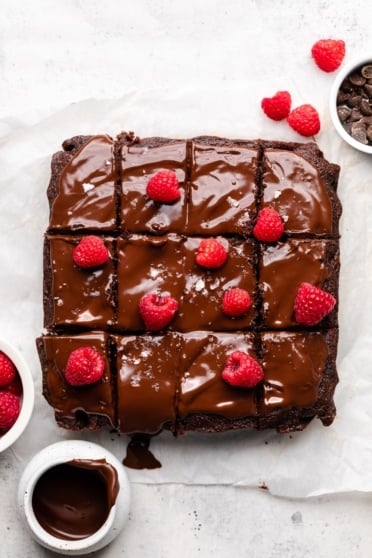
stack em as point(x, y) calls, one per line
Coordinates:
point(81, 191)
point(300, 379)
point(90, 406)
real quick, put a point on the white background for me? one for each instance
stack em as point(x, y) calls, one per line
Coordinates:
point(55, 53)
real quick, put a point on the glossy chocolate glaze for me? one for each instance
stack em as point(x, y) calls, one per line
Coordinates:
point(295, 189)
point(202, 390)
point(139, 455)
point(86, 189)
point(172, 379)
point(72, 500)
point(146, 382)
point(166, 265)
point(200, 308)
point(138, 213)
point(283, 267)
point(147, 265)
point(222, 192)
point(77, 403)
point(79, 297)
point(293, 365)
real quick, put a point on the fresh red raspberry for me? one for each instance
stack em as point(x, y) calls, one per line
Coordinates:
point(278, 106)
point(304, 120)
point(163, 187)
point(236, 302)
point(242, 370)
point(90, 252)
point(157, 311)
point(269, 226)
point(9, 409)
point(14, 387)
point(7, 370)
point(328, 54)
point(85, 366)
point(312, 304)
point(211, 254)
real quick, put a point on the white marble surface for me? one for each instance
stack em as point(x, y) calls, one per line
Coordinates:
point(55, 53)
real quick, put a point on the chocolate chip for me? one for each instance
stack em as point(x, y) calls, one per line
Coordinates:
point(358, 132)
point(346, 86)
point(368, 89)
point(366, 71)
point(357, 79)
point(365, 107)
point(342, 97)
point(354, 101)
point(343, 113)
point(355, 115)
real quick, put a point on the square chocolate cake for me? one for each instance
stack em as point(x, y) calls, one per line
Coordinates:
point(190, 285)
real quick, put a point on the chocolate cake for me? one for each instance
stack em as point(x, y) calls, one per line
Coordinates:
point(172, 378)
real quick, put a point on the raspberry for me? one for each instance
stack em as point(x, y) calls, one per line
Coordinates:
point(90, 252)
point(278, 106)
point(304, 120)
point(328, 54)
point(269, 226)
point(7, 370)
point(14, 387)
point(236, 302)
point(211, 254)
point(157, 311)
point(163, 187)
point(9, 409)
point(242, 370)
point(85, 366)
point(312, 304)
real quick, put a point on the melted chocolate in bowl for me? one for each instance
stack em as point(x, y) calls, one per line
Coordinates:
point(72, 500)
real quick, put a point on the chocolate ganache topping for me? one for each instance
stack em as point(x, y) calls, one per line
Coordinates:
point(172, 378)
point(72, 500)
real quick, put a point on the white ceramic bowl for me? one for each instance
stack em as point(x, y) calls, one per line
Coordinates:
point(341, 75)
point(28, 397)
point(57, 454)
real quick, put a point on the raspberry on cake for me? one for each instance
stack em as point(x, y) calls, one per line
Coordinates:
point(90, 252)
point(163, 187)
point(312, 304)
point(236, 302)
point(209, 298)
point(242, 370)
point(211, 254)
point(157, 311)
point(85, 366)
point(269, 226)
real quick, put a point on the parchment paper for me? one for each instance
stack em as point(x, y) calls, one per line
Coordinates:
point(316, 461)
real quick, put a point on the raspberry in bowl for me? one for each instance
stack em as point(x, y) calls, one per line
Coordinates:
point(16, 394)
point(350, 103)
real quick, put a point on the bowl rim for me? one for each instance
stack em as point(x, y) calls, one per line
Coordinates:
point(341, 75)
point(28, 397)
point(62, 452)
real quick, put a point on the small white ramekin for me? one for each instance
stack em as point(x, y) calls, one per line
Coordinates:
point(341, 75)
point(28, 397)
point(57, 454)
